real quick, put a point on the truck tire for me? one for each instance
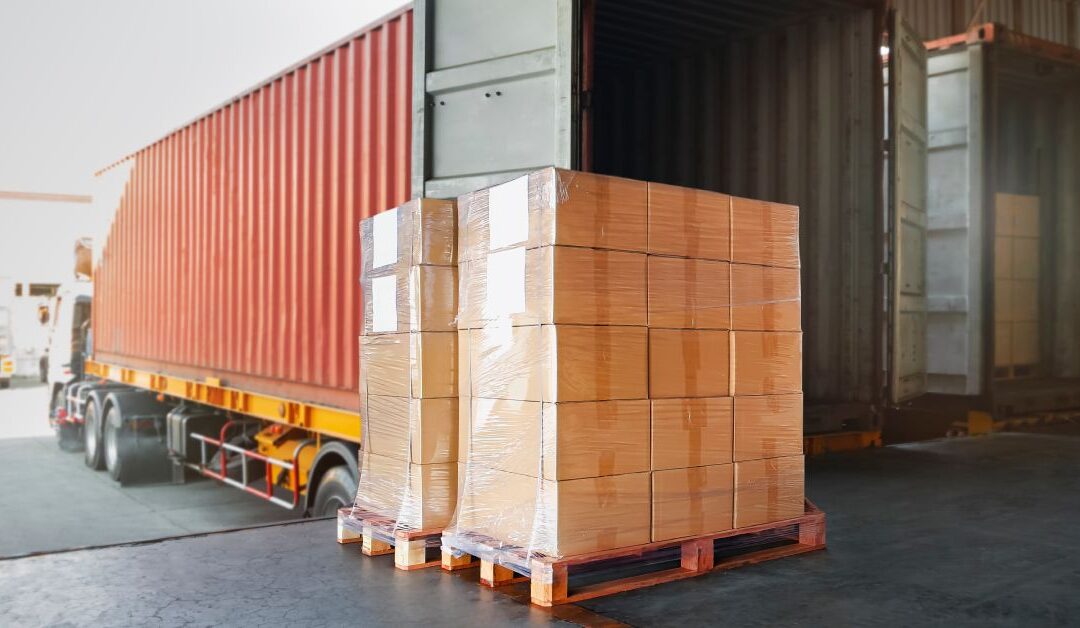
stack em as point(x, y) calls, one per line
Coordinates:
point(93, 451)
point(114, 441)
point(337, 488)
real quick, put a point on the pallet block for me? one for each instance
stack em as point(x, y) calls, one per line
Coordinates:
point(550, 577)
point(380, 535)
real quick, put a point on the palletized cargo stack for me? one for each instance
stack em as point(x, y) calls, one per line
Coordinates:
point(408, 385)
point(1016, 286)
point(553, 322)
point(633, 360)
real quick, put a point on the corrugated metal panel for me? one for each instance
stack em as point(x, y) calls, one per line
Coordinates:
point(789, 116)
point(1054, 20)
point(233, 253)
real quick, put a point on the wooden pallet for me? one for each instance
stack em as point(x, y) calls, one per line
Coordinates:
point(550, 577)
point(381, 535)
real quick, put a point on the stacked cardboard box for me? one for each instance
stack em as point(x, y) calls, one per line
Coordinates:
point(615, 338)
point(408, 355)
point(1016, 282)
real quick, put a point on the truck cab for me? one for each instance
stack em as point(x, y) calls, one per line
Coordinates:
point(67, 340)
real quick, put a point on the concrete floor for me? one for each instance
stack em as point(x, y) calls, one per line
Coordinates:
point(964, 532)
point(49, 500)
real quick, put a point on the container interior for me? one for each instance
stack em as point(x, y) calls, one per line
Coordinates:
point(1035, 148)
point(766, 100)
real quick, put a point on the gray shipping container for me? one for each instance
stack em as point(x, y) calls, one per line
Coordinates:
point(781, 101)
point(1004, 118)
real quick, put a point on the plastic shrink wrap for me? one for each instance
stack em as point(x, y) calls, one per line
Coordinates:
point(631, 363)
point(409, 363)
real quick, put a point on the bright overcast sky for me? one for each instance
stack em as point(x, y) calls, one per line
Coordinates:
point(86, 82)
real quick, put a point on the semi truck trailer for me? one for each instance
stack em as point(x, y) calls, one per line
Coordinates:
point(226, 302)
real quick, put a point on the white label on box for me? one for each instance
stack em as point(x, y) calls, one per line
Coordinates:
point(508, 213)
point(384, 304)
point(384, 238)
point(505, 283)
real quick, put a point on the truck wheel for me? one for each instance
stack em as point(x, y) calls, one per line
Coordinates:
point(115, 445)
point(92, 438)
point(337, 488)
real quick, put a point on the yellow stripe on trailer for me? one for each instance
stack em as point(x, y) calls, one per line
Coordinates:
point(320, 419)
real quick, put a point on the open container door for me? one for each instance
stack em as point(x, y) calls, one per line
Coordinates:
point(496, 91)
point(908, 216)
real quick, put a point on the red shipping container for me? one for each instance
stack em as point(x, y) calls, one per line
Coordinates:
point(233, 253)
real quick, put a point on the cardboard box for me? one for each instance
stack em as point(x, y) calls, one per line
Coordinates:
point(410, 298)
point(688, 363)
point(768, 490)
point(557, 363)
point(554, 285)
point(1017, 215)
point(692, 501)
point(556, 518)
point(1003, 355)
point(1025, 343)
point(1025, 258)
point(553, 206)
point(422, 496)
point(769, 426)
point(1016, 300)
point(685, 222)
point(421, 431)
point(691, 432)
point(765, 298)
point(766, 363)
point(422, 231)
point(418, 365)
point(764, 233)
point(561, 441)
point(689, 293)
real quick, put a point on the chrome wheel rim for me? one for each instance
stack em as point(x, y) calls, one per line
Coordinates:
point(110, 443)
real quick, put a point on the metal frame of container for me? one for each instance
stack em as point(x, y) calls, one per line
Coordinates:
point(980, 82)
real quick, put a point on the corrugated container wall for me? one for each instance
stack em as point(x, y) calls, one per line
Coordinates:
point(233, 253)
point(1055, 20)
point(789, 116)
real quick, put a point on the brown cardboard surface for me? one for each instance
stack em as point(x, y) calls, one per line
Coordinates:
point(417, 365)
point(1003, 354)
point(562, 441)
point(554, 284)
point(556, 518)
point(691, 432)
point(1003, 257)
point(688, 363)
point(768, 490)
point(552, 206)
point(424, 298)
point(692, 501)
point(1025, 258)
point(765, 298)
point(766, 363)
point(421, 431)
point(769, 426)
point(421, 496)
point(1025, 343)
point(684, 222)
point(559, 362)
point(689, 293)
point(764, 233)
point(422, 231)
